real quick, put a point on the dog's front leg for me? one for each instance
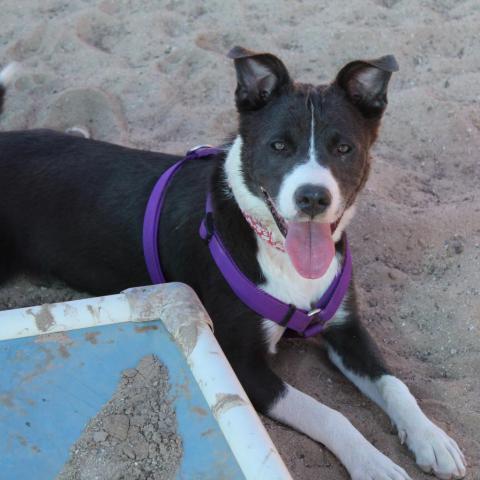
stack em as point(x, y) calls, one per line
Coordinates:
point(329, 427)
point(351, 349)
point(280, 401)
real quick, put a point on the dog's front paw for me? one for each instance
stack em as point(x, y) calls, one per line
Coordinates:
point(435, 452)
point(371, 464)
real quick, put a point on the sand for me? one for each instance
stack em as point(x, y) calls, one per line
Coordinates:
point(153, 74)
point(134, 436)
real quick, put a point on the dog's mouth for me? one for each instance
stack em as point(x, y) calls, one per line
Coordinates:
point(309, 244)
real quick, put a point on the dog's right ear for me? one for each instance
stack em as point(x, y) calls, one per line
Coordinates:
point(260, 77)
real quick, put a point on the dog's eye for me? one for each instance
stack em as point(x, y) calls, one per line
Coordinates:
point(278, 146)
point(343, 148)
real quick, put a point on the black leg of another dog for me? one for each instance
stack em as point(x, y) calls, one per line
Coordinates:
point(352, 350)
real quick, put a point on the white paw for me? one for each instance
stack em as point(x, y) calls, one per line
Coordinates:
point(372, 464)
point(435, 452)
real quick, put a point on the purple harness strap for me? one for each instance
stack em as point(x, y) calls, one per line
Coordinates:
point(151, 220)
point(306, 323)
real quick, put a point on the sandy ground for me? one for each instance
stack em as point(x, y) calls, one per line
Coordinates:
point(134, 436)
point(153, 74)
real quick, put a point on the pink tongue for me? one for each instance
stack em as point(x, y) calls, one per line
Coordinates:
point(310, 247)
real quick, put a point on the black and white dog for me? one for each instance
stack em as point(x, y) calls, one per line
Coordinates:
point(73, 208)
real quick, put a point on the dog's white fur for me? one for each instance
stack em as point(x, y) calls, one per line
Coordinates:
point(248, 202)
point(433, 449)
point(329, 427)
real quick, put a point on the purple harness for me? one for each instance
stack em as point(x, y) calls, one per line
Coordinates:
point(305, 323)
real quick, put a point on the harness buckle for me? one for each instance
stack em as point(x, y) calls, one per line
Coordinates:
point(314, 312)
point(316, 323)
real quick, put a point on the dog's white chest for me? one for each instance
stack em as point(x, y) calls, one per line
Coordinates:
point(284, 283)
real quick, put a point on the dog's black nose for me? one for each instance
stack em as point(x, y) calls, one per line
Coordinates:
point(312, 199)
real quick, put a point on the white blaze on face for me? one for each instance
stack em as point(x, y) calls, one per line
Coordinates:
point(309, 173)
point(309, 244)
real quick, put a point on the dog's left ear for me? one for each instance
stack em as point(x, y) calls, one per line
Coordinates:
point(260, 77)
point(366, 83)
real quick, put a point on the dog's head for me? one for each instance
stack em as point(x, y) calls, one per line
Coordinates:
point(302, 152)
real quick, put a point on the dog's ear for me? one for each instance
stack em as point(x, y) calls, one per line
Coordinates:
point(260, 76)
point(366, 82)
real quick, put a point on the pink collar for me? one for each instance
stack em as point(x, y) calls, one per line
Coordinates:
point(263, 232)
